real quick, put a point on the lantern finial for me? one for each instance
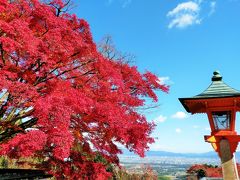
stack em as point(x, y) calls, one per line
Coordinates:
point(216, 76)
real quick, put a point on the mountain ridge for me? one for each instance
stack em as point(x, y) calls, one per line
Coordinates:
point(210, 154)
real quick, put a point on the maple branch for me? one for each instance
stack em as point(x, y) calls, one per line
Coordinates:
point(46, 27)
point(13, 119)
point(46, 78)
point(67, 5)
point(10, 132)
point(89, 72)
point(4, 103)
point(59, 9)
point(86, 73)
point(107, 48)
point(2, 53)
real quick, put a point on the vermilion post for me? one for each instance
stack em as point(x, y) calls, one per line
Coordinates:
point(220, 102)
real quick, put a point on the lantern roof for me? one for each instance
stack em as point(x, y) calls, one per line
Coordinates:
point(217, 89)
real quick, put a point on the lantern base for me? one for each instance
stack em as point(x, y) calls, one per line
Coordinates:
point(229, 168)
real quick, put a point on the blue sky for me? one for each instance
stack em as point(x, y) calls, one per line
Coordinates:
point(182, 42)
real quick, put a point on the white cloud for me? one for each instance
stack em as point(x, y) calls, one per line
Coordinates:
point(212, 7)
point(179, 115)
point(184, 20)
point(195, 127)
point(184, 7)
point(190, 13)
point(185, 14)
point(160, 119)
point(178, 130)
point(163, 80)
point(213, 4)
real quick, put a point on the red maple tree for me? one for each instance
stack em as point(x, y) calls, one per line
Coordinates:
point(210, 170)
point(62, 101)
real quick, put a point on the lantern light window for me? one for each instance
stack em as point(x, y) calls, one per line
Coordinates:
point(222, 120)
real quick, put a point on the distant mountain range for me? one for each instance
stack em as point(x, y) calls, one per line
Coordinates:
point(190, 155)
point(210, 154)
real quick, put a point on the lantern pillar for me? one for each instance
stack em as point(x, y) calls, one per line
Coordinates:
point(229, 168)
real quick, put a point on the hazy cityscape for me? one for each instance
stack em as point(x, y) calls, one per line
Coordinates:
point(171, 165)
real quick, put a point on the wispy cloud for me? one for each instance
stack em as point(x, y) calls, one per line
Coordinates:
point(160, 119)
point(189, 13)
point(186, 6)
point(179, 115)
point(124, 3)
point(164, 80)
point(212, 7)
point(178, 130)
point(185, 14)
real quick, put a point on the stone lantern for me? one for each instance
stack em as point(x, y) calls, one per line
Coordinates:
point(220, 102)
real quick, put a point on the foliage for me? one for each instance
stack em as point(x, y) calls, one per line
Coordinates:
point(62, 101)
point(208, 170)
point(205, 170)
point(21, 163)
point(201, 173)
point(146, 174)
